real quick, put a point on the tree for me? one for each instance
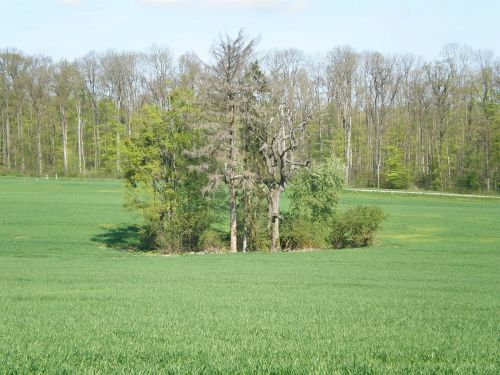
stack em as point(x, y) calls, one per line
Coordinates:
point(440, 117)
point(90, 70)
point(341, 77)
point(396, 176)
point(66, 80)
point(489, 95)
point(286, 110)
point(441, 80)
point(384, 83)
point(314, 195)
point(159, 76)
point(40, 78)
point(121, 79)
point(314, 192)
point(163, 177)
point(226, 94)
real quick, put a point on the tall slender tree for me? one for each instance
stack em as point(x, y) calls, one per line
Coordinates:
point(231, 58)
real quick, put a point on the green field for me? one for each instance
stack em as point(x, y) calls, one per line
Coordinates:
point(426, 299)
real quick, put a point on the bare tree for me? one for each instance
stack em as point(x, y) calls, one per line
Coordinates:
point(5, 88)
point(231, 58)
point(121, 79)
point(90, 70)
point(488, 93)
point(190, 73)
point(384, 80)
point(40, 77)
point(287, 106)
point(441, 80)
point(341, 78)
point(66, 79)
point(159, 75)
point(12, 80)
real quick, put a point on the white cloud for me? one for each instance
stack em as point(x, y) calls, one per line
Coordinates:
point(280, 5)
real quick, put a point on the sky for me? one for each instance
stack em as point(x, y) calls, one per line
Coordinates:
point(71, 28)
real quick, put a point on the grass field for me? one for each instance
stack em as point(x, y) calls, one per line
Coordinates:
point(426, 299)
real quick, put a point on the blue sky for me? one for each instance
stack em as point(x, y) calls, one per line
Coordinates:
point(71, 28)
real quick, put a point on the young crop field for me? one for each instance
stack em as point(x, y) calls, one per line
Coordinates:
point(424, 299)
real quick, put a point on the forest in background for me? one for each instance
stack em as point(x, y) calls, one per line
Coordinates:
point(396, 121)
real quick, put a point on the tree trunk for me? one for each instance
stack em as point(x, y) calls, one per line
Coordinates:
point(64, 128)
point(274, 212)
point(39, 144)
point(379, 163)
point(378, 145)
point(232, 182)
point(233, 243)
point(320, 125)
point(96, 147)
point(117, 150)
point(6, 138)
point(244, 246)
point(348, 150)
point(53, 156)
point(79, 131)
point(120, 123)
point(97, 150)
point(2, 138)
point(487, 167)
point(20, 136)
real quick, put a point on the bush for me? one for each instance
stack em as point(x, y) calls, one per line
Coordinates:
point(211, 242)
point(356, 227)
point(299, 233)
point(314, 193)
point(469, 182)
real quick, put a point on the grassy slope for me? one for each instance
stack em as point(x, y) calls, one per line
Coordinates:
point(426, 299)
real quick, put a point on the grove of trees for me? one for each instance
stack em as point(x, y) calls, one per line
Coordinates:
point(396, 121)
point(181, 129)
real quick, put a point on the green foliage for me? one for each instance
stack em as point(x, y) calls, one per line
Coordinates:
point(356, 227)
point(253, 219)
point(431, 179)
point(211, 241)
point(314, 192)
point(313, 195)
point(396, 175)
point(108, 146)
point(162, 178)
point(298, 233)
point(434, 129)
point(470, 179)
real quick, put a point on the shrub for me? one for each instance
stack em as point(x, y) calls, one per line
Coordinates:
point(314, 193)
point(211, 242)
point(299, 233)
point(356, 227)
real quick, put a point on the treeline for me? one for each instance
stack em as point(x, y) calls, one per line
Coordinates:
point(395, 121)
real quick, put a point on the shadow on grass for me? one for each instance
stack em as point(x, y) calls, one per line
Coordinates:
point(125, 238)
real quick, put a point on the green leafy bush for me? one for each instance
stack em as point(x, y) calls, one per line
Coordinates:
point(314, 195)
point(211, 242)
point(356, 227)
point(299, 233)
